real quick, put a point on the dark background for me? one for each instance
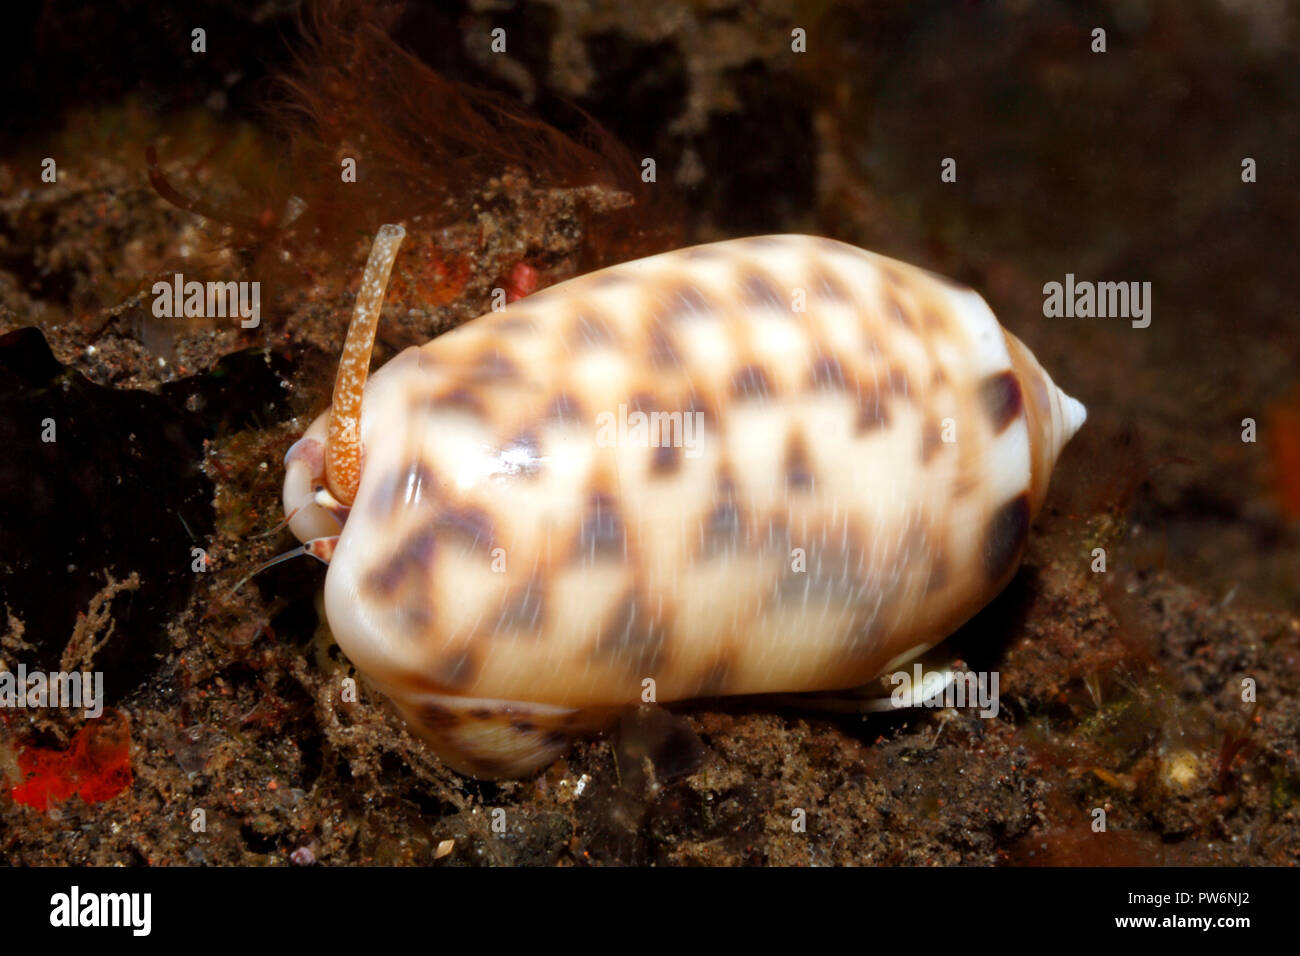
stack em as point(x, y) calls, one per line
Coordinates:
point(1122, 166)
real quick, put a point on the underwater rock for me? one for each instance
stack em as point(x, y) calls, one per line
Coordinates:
point(94, 481)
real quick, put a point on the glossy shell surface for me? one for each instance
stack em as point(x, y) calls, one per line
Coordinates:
point(770, 464)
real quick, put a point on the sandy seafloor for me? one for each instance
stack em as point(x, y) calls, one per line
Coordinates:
point(1120, 691)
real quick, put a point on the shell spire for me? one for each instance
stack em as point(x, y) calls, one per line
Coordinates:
point(1074, 414)
point(1054, 417)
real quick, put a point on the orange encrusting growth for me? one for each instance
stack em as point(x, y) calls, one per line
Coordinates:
point(1283, 426)
point(97, 766)
point(343, 450)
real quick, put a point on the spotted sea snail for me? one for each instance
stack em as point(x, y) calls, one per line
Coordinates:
point(774, 464)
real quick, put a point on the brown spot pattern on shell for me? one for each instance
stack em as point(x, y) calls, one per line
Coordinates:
point(680, 476)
